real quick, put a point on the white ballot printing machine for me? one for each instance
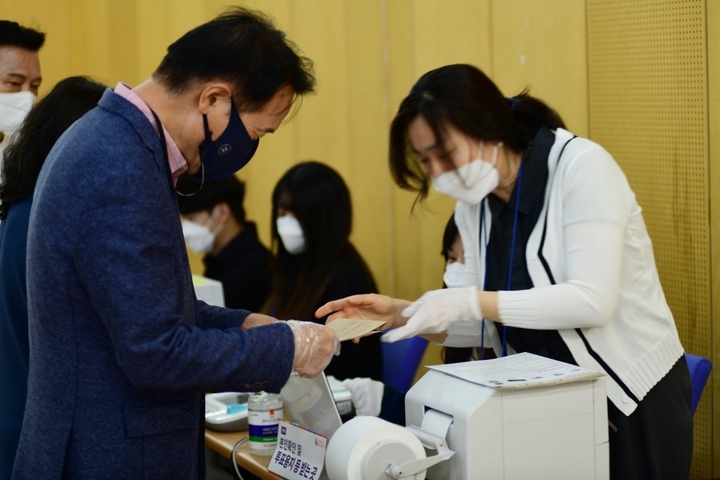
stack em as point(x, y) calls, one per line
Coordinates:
point(540, 419)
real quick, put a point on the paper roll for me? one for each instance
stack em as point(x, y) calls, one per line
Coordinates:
point(361, 436)
point(436, 423)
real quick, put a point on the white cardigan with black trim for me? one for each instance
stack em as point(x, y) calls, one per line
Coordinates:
point(617, 320)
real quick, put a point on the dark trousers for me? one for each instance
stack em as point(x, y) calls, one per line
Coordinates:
point(656, 441)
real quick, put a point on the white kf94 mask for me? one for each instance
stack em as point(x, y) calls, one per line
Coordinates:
point(472, 182)
point(291, 234)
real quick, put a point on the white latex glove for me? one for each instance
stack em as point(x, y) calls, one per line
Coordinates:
point(315, 345)
point(366, 395)
point(435, 311)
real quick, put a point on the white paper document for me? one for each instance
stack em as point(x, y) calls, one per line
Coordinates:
point(523, 370)
point(348, 328)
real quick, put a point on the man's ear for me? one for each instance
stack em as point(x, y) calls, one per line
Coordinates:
point(223, 211)
point(213, 94)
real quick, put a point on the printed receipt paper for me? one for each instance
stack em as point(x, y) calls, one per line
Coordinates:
point(347, 328)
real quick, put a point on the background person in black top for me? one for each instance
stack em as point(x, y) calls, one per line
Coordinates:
point(214, 223)
point(315, 261)
point(454, 255)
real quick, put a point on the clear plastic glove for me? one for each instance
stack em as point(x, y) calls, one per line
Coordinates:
point(257, 320)
point(435, 311)
point(315, 346)
point(366, 395)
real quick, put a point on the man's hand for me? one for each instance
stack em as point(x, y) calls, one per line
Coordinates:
point(315, 345)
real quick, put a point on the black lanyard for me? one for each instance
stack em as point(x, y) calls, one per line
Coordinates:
point(163, 144)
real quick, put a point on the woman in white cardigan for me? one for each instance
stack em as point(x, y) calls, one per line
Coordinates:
point(559, 262)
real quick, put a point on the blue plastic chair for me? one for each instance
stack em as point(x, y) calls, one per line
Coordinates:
point(700, 368)
point(401, 360)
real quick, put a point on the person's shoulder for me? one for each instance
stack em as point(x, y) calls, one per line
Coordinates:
point(20, 208)
point(102, 148)
point(567, 144)
point(96, 139)
point(574, 153)
point(351, 261)
point(13, 235)
point(15, 223)
point(115, 126)
point(250, 235)
point(247, 244)
point(106, 129)
point(119, 109)
point(588, 171)
point(352, 270)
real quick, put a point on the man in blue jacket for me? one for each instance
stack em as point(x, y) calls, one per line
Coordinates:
point(120, 349)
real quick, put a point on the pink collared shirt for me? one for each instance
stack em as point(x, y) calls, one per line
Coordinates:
point(178, 164)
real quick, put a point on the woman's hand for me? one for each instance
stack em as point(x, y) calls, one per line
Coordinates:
point(366, 307)
point(435, 311)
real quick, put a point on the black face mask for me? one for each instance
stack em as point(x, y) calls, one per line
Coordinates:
point(232, 150)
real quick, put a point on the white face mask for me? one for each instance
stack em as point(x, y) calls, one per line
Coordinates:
point(454, 276)
point(14, 107)
point(199, 237)
point(472, 182)
point(291, 234)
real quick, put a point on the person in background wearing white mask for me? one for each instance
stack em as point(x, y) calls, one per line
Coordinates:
point(214, 225)
point(454, 255)
point(315, 261)
point(558, 259)
point(454, 277)
point(20, 76)
point(465, 335)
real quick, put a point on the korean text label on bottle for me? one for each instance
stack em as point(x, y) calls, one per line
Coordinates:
point(264, 412)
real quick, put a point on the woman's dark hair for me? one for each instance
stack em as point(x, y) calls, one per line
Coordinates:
point(449, 236)
point(15, 35)
point(464, 97)
point(320, 200)
point(228, 190)
point(69, 100)
point(242, 47)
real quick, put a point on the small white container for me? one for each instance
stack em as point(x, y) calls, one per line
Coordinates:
point(264, 412)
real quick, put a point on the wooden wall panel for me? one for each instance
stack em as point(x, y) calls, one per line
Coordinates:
point(648, 107)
